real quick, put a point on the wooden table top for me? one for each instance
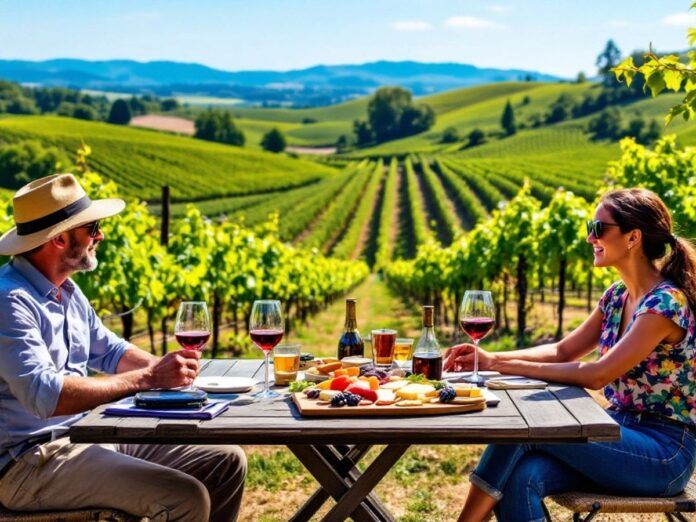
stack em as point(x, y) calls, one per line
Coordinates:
point(560, 413)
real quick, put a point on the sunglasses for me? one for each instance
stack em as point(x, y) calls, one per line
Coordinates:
point(596, 227)
point(93, 228)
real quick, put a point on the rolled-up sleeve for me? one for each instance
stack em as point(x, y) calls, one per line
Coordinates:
point(25, 362)
point(105, 348)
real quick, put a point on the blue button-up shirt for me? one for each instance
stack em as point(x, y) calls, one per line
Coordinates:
point(43, 338)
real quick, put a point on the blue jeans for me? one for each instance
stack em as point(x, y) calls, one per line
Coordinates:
point(653, 458)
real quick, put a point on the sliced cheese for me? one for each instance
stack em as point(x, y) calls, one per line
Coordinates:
point(467, 390)
point(468, 400)
point(414, 391)
point(385, 397)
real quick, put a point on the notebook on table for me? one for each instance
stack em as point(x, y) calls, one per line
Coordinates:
point(127, 408)
point(514, 382)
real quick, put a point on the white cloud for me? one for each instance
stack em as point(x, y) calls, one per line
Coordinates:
point(411, 25)
point(470, 22)
point(680, 20)
point(500, 8)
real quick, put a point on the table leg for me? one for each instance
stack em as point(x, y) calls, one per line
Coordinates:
point(346, 457)
point(346, 466)
point(330, 479)
point(334, 468)
point(366, 483)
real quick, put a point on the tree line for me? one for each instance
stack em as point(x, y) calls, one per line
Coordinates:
point(18, 99)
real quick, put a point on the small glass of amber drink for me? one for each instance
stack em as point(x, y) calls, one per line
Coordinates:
point(286, 363)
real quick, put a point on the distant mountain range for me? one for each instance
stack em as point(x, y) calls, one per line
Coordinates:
point(166, 78)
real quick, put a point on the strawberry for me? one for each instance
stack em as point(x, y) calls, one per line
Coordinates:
point(340, 383)
point(365, 393)
point(359, 385)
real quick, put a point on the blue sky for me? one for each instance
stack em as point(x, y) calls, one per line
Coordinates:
point(554, 36)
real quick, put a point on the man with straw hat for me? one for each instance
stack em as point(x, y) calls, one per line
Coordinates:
point(49, 336)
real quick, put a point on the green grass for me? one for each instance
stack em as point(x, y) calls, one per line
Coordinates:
point(141, 161)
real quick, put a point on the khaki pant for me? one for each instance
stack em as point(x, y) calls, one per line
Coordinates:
point(160, 482)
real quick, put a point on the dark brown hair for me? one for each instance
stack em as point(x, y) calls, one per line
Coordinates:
point(644, 210)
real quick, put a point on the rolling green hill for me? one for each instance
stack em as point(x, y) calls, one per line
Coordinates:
point(142, 160)
point(314, 127)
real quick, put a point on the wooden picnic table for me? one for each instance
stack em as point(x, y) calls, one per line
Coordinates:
point(331, 447)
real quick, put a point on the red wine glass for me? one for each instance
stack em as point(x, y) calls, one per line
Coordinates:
point(266, 330)
point(477, 318)
point(192, 327)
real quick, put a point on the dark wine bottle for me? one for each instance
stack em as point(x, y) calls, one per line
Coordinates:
point(350, 343)
point(427, 358)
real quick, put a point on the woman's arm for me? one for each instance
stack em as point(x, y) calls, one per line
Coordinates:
point(646, 333)
point(575, 345)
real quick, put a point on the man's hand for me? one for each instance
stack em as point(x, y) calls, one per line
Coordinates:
point(84, 393)
point(460, 358)
point(174, 369)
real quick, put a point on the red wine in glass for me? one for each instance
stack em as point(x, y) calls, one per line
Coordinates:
point(428, 365)
point(477, 327)
point(477, 318)
point(266, 338)
point(192, 340)
point(266, 330)
point(192, 326)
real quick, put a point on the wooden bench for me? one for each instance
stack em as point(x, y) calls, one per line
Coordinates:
point(78, 515)
point(594, 503)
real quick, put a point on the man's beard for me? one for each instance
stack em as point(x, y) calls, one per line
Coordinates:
point(78, 258)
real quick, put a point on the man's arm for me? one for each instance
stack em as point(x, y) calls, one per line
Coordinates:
point(134, 358)
point(80, 394)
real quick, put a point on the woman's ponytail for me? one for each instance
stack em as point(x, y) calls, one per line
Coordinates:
point(673, 256)
point(679, 266)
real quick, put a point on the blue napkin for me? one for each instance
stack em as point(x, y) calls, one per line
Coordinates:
point(126, 408)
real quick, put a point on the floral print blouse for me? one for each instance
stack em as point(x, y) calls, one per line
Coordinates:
point(663, 383)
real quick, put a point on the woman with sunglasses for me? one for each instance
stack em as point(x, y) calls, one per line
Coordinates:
point(645, 329)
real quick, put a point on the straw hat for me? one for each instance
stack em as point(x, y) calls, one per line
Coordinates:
point(48, 206)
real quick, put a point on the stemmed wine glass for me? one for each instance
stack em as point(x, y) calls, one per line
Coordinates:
point(477, 318)
point(192, 327)
point(266, 330)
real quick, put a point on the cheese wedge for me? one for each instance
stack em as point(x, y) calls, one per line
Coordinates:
point(414, 391)
point(385, 397)
point(467, 390)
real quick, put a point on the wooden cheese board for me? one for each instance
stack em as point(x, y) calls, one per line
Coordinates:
point(313, 408)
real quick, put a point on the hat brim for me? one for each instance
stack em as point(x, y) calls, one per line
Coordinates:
point(12, 243)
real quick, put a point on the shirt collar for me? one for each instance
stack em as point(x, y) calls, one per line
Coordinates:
point(37, 279)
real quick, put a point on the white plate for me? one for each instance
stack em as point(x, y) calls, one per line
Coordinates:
point(491, 398)
point(224, 384)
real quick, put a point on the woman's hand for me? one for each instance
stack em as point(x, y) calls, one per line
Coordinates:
point(460, 358)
